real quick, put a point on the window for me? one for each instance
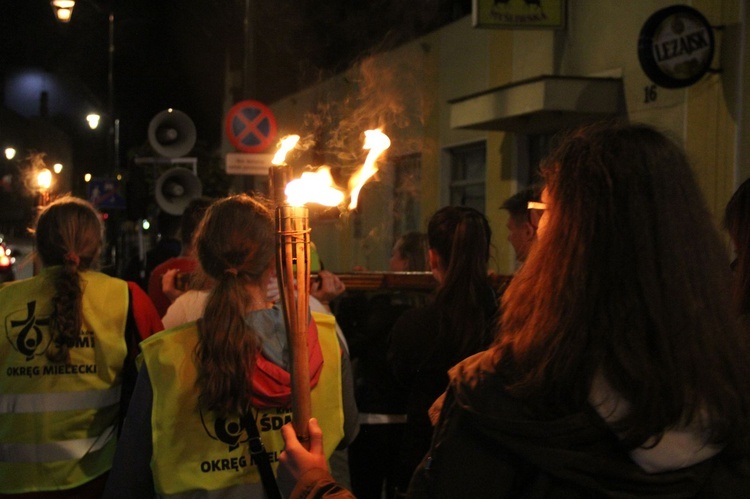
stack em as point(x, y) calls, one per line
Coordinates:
point(468, 167)
point(539, 147)
point(406, 194)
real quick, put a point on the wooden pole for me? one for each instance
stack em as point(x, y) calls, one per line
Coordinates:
point(292, 264)
point(368, 280)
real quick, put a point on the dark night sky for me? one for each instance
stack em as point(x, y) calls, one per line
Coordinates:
point(171, 53)
point(167, 54)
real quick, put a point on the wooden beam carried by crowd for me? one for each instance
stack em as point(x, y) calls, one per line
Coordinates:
point(415, 281)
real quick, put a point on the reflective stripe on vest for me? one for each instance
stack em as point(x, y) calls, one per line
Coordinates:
point(58, 420)
point(55, 451)
point(197, 452)
point(67, 401)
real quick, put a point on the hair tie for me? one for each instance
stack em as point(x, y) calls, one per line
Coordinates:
point(71, 258)
point(231, 271)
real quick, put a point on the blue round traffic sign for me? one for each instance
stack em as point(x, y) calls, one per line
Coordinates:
point(250, 126)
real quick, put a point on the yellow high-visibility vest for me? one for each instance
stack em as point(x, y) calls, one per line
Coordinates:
point(58, 422)
point(195, 451)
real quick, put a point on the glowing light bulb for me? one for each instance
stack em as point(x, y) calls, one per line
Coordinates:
point(93, 120)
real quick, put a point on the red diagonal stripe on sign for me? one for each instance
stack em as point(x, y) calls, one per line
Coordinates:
point(250, 126)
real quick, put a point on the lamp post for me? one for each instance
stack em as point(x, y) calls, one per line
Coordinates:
point(43, 184)
point(63, 10)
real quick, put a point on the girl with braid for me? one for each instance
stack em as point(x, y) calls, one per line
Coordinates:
point(70, 339)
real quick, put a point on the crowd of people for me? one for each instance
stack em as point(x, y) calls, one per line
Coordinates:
point(614, 364)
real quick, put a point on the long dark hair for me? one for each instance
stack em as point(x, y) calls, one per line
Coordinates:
point(628, 281)
point(68, 233)
point(737, 223)
point(461, 237)
point(235, 242)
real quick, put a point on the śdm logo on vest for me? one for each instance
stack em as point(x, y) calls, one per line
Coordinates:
point(25, 335)
point(229, 431)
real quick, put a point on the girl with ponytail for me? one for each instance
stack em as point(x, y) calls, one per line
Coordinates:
point(207, 387)
point(426, 342)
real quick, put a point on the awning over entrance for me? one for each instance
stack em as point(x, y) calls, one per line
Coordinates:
point(540, 105)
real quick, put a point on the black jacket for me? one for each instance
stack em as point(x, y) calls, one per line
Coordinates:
point(489, 444)
point(420, 362)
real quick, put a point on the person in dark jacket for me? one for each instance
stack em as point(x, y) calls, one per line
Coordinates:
point(425, 342)
point(367, 320)
point(620, 370)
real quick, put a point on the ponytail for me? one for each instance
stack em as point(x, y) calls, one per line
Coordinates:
point(68, 234)
point(235, 243)
point(461, 237)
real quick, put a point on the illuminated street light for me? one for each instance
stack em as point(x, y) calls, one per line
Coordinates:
point(63, 9)
point(93, 120)
point(87, 177)
point(57, 167)
point(44, 181)
point(10, 153)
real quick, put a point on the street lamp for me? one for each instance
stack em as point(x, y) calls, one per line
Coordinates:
point(44, 181)
point(63, 10)
point(93, 120)
point(10, 153)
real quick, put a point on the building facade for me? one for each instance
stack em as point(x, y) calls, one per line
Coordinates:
point(471, 109)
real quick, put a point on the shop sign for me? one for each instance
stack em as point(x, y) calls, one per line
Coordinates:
point(676, 46)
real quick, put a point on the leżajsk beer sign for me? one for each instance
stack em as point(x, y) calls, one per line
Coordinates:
point(676, 46)
point(514, 14)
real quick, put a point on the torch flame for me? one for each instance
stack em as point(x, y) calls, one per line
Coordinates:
point(286, 144)
point(377, 142)
point(314, 187)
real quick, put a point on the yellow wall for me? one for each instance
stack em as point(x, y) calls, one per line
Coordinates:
point(710, 129)
point(601, 39)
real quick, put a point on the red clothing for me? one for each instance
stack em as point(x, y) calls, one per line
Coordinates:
point(181, 263)
point(272, 384)
point(147, 319)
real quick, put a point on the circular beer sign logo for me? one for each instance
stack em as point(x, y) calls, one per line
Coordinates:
point(676, 46)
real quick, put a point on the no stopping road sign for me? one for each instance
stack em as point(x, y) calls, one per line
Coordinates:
point(250, 126)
